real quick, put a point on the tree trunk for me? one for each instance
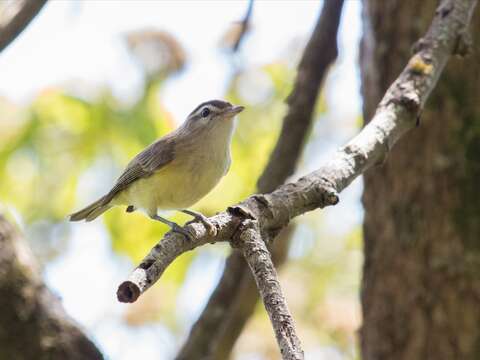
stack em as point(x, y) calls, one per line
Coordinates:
point(421, 279)
point(33, 324)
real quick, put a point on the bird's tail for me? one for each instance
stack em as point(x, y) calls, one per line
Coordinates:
point(92, 211)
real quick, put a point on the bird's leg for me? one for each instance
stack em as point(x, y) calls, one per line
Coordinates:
point(211, 229)
point(174, 226)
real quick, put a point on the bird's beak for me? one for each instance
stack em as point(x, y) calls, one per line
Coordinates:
point(234, 110)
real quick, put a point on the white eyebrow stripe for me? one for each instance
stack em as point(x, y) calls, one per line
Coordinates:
point(208, 106)
point(212, 104)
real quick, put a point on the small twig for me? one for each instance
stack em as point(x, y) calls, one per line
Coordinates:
point(244, 25)
point(260, 262)
point(167, 250)
point(12, 27)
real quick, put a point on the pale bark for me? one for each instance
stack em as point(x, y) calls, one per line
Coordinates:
point(255, 251)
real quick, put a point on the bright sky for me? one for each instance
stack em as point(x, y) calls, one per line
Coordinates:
point(82, 42)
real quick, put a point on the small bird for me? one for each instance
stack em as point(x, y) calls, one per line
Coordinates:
point(176, 171)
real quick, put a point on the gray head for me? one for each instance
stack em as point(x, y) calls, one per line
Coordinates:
point(211, 113)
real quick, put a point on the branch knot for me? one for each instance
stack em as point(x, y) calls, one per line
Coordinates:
point(464, 45)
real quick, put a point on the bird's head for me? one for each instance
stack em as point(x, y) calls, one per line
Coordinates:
point(211, 114)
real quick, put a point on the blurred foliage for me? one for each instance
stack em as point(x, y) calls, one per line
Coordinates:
point(61, 151)
point(158, 52)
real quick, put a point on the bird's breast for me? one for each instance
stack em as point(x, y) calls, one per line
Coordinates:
point(195, 170)
point(179, 184)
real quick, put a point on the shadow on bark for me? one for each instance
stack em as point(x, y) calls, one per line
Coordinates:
point(34, 324)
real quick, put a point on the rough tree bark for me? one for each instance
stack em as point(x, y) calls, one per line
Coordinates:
point(256, 254)
point(33, 324)
point(421, 282)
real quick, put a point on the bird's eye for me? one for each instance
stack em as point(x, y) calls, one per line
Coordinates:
point(205, 112)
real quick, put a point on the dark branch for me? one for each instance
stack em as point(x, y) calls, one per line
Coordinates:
point(320, 52)
point(12, 27)
point(244, 26)
point(34, 324)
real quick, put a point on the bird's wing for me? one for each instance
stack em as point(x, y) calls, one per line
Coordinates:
point(145, 164)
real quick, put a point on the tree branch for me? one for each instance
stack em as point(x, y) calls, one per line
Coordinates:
point(320, 52)
point(224, 316)
point(11, 27)
point(229, 306)
point(244, 26)
point(273, 211)
point(395, 115)
point(34, 323)
point(260, 262)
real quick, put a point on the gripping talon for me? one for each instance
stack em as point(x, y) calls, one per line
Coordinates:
point(174, 226)
point(211, 229)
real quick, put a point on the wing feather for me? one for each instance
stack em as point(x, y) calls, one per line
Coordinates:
point(145, 164)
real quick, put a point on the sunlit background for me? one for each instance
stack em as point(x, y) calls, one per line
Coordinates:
point(90, 83)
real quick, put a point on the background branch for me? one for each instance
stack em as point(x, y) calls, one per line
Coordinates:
point(244, 26)
point(36, 325)
point(320, 52)
point(11, 26)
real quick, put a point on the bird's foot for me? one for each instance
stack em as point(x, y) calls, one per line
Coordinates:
point(211, 228)
point(174, 226)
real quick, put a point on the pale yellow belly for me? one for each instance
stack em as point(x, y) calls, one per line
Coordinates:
point(177, 186)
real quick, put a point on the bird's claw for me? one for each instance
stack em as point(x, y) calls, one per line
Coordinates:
point(211, 228)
